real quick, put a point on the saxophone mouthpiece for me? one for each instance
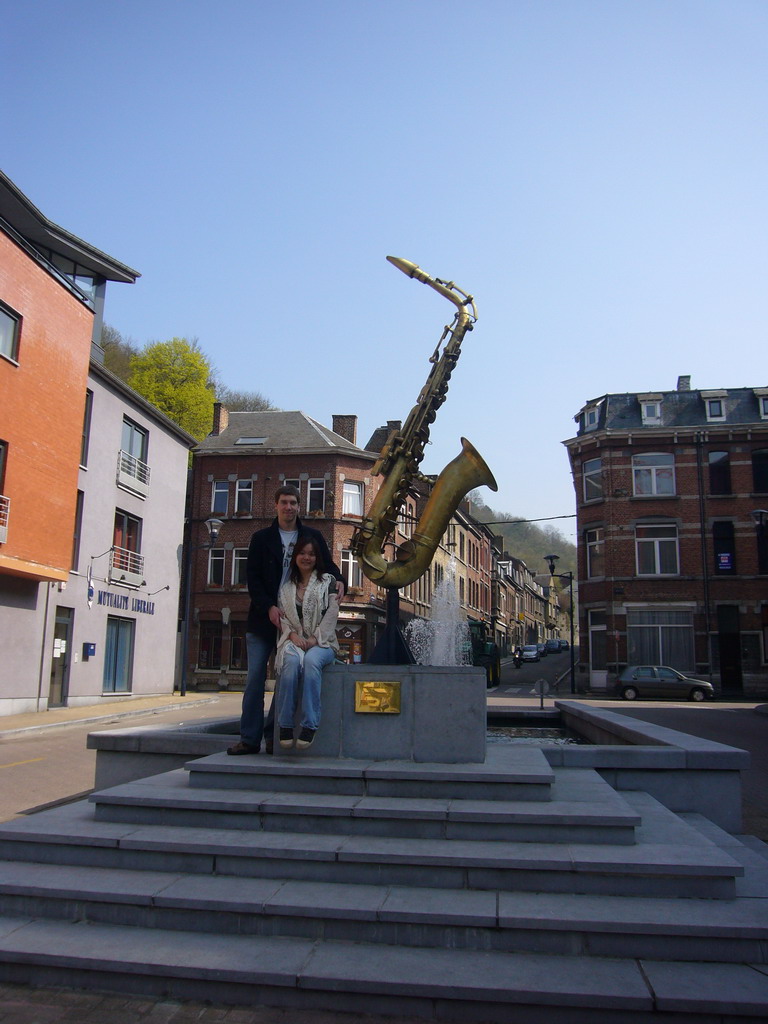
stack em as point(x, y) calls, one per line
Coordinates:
point(411, 269)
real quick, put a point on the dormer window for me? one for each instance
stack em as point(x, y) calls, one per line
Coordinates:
point(650, 408)
point(714, 404)
point(651, 413)
point(590, 417)
point(761, 394)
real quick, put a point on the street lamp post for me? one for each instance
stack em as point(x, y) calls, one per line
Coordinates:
point(550, 560)
point(213, 526)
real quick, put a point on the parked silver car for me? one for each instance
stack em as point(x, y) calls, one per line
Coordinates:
point(531, 652)
point(660, 681)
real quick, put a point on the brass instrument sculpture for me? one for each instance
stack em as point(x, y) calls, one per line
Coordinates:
point(401, 455)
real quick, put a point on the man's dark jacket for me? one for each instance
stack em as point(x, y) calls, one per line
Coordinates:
point(265, 570)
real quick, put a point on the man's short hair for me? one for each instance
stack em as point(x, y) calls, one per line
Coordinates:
point(288, 489)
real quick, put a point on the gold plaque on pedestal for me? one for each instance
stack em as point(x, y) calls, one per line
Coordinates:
point(377, 698)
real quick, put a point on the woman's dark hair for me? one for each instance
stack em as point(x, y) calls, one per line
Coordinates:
point(301, 543)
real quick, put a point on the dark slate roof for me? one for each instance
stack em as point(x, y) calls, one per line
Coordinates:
point(679, 409)
point(281, 431)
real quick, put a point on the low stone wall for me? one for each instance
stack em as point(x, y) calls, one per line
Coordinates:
point(683, 772)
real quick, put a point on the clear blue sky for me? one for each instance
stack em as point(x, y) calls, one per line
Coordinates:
point(594, 172)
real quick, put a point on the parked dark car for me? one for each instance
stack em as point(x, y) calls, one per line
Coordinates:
point(531, 652)
point(660, 681)
point(552, 646)
point(543, 652)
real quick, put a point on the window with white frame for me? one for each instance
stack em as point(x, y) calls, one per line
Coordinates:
point(292, 482)
point(350, 570)
point(662, 636)
point(653, 474)
point(715, 409)
point(595, 543)
point(244, 496)
point(239, 566)
point(762, 401)
point(220, 497)
point(216, 567)
point(651, 413)
point(656, 549)
point(592, 473)
point(316, 495)
point(352, 498)
point(591, 416)
point(10, 328)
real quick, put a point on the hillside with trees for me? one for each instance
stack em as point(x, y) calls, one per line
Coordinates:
point(178, 378)
point(526, 540)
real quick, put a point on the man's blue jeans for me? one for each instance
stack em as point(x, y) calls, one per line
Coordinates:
point(252, 715)
point(292, 672)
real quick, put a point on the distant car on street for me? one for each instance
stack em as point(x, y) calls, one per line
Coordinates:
point(552, 646)
point(531, 652)
point(639, 681)
point(564, 645)
point(543, 652)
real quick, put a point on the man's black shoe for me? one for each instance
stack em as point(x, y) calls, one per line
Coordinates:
point(242, 748)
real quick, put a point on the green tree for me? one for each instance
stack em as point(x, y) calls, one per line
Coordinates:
point(118, 351)
point(175, 376)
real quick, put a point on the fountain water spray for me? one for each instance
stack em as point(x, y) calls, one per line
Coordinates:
point(444, 638)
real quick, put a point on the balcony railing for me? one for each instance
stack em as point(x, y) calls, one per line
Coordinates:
point(5, 509)
point(126, 567)
point(132, 474)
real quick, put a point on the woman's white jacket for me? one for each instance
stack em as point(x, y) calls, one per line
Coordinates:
point(320, 611)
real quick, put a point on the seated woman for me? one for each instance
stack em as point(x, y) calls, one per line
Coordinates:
point(309, 608)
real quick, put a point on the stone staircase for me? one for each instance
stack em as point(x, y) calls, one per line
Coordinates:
point(504, 891)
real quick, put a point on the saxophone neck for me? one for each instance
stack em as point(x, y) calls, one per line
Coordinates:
point(447, 289)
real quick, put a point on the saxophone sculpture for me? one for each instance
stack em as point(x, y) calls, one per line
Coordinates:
point(401, 455)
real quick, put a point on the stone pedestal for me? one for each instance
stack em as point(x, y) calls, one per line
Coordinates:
point(442, 715)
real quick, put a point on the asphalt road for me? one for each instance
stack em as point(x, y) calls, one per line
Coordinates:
point(47, 766)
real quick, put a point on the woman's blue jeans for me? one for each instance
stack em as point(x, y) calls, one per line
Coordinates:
point(292, 675)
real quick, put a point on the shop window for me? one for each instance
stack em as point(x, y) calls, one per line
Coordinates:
point(209, 654)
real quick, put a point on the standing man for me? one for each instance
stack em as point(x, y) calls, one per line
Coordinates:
point(269, 556)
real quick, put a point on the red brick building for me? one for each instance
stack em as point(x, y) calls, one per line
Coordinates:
point(236, 471)
point(672, 489)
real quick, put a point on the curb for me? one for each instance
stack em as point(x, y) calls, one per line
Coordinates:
point(87, 719)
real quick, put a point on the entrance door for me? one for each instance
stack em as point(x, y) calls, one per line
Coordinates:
point(729, 644)
point(61, 658)
point(598, 647)
point(118, 655)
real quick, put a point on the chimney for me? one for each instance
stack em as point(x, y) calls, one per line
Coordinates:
point(346, 426)
point(684, 383)
point(220, 418)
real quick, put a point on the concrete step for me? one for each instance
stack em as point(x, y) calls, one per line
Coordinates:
point(734, 931)
point(358, 977)
point(583, 809)
point(670, 857)
point(508, 773)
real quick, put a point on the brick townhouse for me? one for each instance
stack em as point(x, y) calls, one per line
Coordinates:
point(672, 492)
point(236, 471)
